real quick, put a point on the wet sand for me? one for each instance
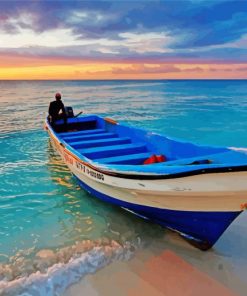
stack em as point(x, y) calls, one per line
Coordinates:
point(146, 274)
point(170, 266)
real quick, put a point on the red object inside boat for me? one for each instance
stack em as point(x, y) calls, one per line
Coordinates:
point(155, 159)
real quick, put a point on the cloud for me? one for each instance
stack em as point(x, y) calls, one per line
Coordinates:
point(150, 69)
point(194, 69)
point(147, 42)
point(110, 18)
point(123, 30)
point(26, 38)
point(237, 69)
point(244, 69)
point(137, 69)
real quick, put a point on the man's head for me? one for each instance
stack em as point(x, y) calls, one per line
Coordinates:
point(58, 96)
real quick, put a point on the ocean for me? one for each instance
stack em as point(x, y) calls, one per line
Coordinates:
point(52, 233)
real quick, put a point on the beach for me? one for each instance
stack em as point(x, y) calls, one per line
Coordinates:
point(170, 267)
point(56, 239)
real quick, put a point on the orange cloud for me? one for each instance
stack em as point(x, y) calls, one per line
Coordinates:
point(22, 67)
point(141, 69)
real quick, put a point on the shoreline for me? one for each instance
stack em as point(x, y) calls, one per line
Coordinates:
point(151, 271)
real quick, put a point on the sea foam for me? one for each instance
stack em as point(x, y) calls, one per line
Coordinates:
point(51, 273)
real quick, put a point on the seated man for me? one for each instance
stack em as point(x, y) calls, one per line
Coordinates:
point(55, 108)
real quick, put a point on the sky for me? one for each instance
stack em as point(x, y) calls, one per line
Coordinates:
point(192, 39)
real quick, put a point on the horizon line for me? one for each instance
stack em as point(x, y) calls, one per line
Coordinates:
point(129, 79)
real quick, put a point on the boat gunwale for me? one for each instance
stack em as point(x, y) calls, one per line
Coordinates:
point(145, 175)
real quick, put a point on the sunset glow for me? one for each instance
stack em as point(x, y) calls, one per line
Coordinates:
point(60, 70)
point(115, 40)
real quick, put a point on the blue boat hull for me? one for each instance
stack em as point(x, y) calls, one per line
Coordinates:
point(201, 229)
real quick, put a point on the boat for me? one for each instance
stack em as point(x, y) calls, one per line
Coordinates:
point(195, 190)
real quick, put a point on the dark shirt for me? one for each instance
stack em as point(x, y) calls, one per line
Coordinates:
point(54, 109)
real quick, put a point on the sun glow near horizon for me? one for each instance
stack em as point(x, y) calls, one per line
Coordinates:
point(92, 71)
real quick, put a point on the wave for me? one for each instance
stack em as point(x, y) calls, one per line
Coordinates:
point(52, 272)
point(242, 149)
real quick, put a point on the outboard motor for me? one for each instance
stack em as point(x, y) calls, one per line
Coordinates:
point(69, 112)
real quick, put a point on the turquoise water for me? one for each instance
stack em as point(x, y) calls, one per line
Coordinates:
point(41, 205)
